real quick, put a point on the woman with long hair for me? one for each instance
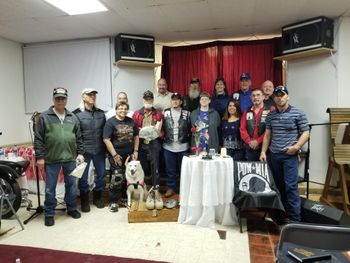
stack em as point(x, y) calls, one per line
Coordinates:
point(220, 96)
point(230, 130)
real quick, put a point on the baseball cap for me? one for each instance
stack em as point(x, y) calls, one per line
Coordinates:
point(280, 89)
point(176, 96)
point(60, 92)
point(148, 94)
point(194, 80)
point(245, 76)
point(88, 90)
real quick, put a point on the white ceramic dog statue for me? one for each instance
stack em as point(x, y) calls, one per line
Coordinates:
point(135, 180)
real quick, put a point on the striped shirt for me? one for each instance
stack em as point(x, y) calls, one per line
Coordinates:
point(286, 128)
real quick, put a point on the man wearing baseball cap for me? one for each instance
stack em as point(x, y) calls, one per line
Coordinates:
point(147, 116)
point(177, 129)
point(92, 121)
point(58, 144)
point(287, 130)
point(245, 92)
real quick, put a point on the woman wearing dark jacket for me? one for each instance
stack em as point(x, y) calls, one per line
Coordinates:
point(220, 97)
point(92, 121)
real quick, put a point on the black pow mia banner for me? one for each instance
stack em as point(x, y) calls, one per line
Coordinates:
point(255, 187)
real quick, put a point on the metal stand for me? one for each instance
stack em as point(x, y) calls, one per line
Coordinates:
point(40, 209)
point(4, 197)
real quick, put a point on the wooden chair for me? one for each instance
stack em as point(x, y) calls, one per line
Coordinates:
point(339, 159)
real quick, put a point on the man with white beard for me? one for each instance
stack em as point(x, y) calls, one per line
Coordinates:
point(191, 101)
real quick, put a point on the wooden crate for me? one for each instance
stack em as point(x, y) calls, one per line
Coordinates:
point(140, 214)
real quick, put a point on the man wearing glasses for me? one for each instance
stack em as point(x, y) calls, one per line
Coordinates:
point(287, 130)
point(58, 144)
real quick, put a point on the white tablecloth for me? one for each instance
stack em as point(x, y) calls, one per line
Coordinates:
point(206, 192)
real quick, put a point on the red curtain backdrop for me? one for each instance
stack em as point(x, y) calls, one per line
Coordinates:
point(221, 59)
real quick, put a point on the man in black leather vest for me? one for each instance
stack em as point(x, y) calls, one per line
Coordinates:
point(176, 142)
point(253, 126)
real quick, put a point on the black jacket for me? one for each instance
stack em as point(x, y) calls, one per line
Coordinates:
point(91, 126)
point(184, 125)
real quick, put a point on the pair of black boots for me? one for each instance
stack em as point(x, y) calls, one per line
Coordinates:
point(97, 200)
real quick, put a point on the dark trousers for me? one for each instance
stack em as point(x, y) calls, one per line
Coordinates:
point(172, 166)
point(100, 165)
point(252, 155)
point(149, 158)
point(236, 154)
point(117, 187)
point(284, 168)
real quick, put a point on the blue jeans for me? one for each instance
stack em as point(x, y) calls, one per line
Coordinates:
point(70, 196)
point(172, 166)
point(284, 169)
point(100, 166)
point(149, 158)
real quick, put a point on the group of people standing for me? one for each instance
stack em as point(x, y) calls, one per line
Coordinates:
point(252, 124)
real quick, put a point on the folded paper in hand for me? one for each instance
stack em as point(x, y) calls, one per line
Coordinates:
point(149, 133)
point(79, 170)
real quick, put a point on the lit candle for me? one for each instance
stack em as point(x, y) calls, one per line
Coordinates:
point(223, 152)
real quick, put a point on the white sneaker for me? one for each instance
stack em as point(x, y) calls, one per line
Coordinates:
point(150, 203)
point(159, 199)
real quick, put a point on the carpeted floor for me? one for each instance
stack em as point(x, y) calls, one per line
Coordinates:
point(9, 254)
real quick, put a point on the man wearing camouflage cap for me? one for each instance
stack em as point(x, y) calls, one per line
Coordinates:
point(149, 148)
point(58, 145)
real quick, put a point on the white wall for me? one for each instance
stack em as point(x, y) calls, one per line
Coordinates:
point(134, 81)
point(344, 62)
point(318, 83)
point(13, 121)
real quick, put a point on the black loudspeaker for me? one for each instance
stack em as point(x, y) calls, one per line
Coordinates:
point(309, 34)
point(315, 212)
point(134, 47)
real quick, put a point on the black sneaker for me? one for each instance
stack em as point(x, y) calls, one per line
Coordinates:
point(74, 214)
point(49, 221)
point(113, 207)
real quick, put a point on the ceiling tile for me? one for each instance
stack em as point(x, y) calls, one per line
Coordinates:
point(177, 20)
